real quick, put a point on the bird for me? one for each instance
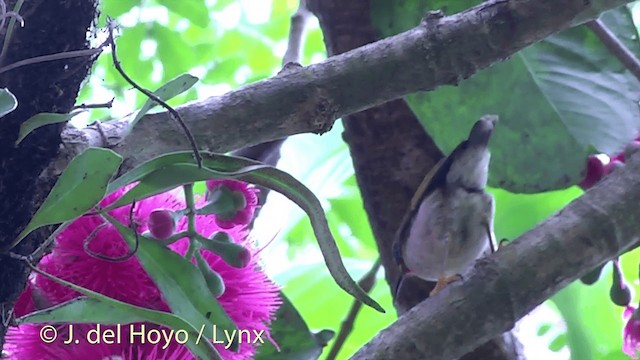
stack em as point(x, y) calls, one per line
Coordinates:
point(449, 223)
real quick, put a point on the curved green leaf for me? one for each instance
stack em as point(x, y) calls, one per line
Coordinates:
point(167, 91)
point(98, 308)
point(80, 187)
point(183, 286)
point(556, 100)
point(283, 183)
point(173, 175)
point(8, 102)
point(42, 119)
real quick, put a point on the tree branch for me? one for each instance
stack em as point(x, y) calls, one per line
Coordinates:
point(593, 229)
point(310, 99)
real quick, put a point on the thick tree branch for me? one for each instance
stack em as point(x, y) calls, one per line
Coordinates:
point(597, 227)
point(310, 99)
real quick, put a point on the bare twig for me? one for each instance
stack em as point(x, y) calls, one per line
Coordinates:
point(174, 114)
point(366, 283)
point(296, 34)
point(107, 104)
point(616, 46)
point(51, 57)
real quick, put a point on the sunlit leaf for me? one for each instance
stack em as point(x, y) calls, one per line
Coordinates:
point(80, 187)
point(174, 87)
point(42, 119)
point(194, 10)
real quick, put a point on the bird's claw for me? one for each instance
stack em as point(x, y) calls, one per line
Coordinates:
point(443, 281)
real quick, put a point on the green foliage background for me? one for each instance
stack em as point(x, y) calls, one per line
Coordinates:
point(230, 43)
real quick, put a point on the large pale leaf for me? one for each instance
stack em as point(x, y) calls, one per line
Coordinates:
point(281, 182)
point(555, 99)
point(98, 308)
point(80, 187)
point(183, 286)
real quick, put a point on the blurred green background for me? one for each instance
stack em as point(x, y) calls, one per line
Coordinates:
point(228, 44)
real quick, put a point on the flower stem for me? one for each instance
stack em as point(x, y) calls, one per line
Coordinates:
point(191, 220)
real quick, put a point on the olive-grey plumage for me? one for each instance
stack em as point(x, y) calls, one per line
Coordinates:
point(450, 221)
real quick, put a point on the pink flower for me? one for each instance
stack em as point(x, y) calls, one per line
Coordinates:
point(243, 214)
point(631, 332)
point(250, 298)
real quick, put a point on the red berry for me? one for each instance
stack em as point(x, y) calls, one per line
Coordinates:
point(595, 172)
point(161, 224)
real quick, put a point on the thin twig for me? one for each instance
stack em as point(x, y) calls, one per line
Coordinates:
point(123, 258)
point(616, 47)
point(107, 105)
point(12, 23)
point(51, 57)
point(366, 283)
point(296, 34)
point(174, 114)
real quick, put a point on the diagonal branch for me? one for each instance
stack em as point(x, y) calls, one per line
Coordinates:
point(595, 228)
point(310, 99)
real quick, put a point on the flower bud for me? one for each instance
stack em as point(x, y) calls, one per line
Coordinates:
point(233, 202)
point(620, 293)
point(595, 172)
point(214, 281)
point(233, 254)
point(161, 224)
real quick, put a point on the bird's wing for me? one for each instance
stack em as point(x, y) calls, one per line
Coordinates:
point(435, 178)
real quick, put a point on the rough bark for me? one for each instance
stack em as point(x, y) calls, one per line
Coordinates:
point(43, 87)
point(310, 99)
point(391, 153)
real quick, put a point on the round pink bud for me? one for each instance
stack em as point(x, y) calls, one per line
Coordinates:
point(161, 224)
point(595, 172)
point(245, 257)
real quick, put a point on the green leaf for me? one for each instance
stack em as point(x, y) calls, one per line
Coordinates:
point(80, 187)
point(98, 308)
point(173, 175)
point(42, 119)
point(8, 102)
point(555, 99)
point(115, 8)
point(182, 285)
point(174, 87)
point(292, 335)
point(194, 10)
point(285, 184)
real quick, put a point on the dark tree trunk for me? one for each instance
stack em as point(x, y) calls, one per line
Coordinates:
point(51, 26)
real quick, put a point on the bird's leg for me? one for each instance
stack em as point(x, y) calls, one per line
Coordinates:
point(443, 280)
